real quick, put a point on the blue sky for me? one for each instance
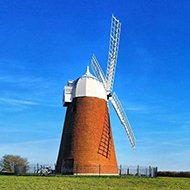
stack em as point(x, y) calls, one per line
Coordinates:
point(45, 43)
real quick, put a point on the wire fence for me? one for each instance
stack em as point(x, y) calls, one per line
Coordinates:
point(47, 169)
point(138, 171)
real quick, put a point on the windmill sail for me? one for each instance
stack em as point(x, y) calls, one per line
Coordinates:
point(110, 74)
point(113, 52)
point(123, 118)
point(98, 70)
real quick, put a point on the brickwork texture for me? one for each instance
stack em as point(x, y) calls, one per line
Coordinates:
point(87, 137)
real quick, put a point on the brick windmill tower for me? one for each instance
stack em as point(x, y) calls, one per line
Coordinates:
point(87, 145)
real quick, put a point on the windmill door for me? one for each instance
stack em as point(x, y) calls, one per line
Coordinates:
point(68, 166)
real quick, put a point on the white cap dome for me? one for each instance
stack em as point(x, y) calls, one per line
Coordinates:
point(89, 86)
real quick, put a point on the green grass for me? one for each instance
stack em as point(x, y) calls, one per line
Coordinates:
point(72, 182)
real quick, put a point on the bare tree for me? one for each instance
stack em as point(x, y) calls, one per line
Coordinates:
point(8, 162)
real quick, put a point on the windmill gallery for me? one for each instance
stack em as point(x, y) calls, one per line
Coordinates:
point(87, 140)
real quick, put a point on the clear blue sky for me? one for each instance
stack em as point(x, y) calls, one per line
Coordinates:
point(45, 43)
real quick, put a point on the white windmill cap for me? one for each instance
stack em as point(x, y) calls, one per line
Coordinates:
point(89, 86)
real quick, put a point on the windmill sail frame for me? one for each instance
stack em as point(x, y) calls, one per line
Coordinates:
point(113, 52)
point(123, 118)
point(108, 80)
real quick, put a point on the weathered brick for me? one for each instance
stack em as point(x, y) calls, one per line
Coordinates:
point(87, 136)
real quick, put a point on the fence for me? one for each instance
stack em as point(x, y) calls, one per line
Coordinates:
point(138, 171)
point(97, 170)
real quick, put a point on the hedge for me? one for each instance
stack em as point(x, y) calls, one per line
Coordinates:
point(173, 174)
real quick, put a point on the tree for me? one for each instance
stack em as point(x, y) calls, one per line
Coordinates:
point(8, 162)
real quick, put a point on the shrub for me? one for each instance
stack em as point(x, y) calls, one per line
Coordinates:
point(173, 174)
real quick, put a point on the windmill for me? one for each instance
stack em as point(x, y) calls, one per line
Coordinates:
point(87, 139)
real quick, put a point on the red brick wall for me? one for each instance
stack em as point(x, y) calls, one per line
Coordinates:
point(85, 133)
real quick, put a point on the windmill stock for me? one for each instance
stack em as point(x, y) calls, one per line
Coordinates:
point(87, 136)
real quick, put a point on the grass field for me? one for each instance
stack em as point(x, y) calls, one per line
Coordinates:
point(72, 182)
